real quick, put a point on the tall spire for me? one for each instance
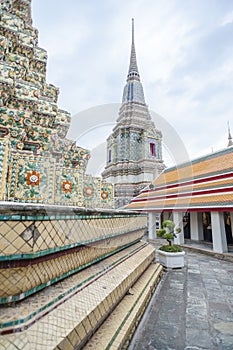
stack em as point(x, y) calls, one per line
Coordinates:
point(133, 73)
point(133, 91)
point(230, 142)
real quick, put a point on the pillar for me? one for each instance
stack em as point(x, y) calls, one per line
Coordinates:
point(178, 220)
point(152, 226)
point(194, 226)
point(200, 227)
point(218, 232)
point(231, 214)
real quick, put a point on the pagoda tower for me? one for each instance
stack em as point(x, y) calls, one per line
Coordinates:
point(134, 149)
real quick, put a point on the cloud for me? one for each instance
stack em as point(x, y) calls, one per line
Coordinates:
point(227, 19)
point(184, 52)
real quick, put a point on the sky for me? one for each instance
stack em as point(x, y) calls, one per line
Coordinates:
point(185, 59)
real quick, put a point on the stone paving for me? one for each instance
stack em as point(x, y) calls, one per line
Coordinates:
point(191, 310)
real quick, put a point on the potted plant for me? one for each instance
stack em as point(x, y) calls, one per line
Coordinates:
point(170, 255)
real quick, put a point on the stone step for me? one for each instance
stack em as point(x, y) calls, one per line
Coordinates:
point(18, 316)
point(117, 330)
point(71, 324)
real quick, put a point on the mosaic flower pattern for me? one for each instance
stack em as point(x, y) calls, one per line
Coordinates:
point(104, 195)
point(33, 178)
point(88, 191)
point(67, 186)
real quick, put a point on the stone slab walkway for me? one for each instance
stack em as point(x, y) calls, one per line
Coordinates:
point(191, 310)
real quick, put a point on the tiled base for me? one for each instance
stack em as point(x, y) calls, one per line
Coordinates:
point(28, 311)
point(17, 283)
point(38, 235)
point(71, 324)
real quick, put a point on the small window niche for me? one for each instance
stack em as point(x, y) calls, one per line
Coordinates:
point(109, 156)
point(152, 149)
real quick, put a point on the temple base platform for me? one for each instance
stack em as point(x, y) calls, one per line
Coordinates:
point(96, 308)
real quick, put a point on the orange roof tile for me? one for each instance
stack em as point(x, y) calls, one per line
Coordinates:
point(200, 167)
point(207, 181)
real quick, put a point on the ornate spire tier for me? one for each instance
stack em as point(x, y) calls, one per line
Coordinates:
point(133, 91)
point(20, 8)
point(133, 68)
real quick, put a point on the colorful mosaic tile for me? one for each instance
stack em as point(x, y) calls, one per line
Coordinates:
point(41, 165)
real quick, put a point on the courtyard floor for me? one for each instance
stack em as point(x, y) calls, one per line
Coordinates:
point(192, 308)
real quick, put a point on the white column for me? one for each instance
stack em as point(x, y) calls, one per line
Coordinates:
point(231, 214)
point(218, 232)
point(152, 226)
point(178, 220)
point(194, 226)
point(200, 227)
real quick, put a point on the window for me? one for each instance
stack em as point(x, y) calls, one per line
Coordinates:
point(152, 149)
point(109, 156)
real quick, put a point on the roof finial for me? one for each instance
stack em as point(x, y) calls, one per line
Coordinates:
point(133, 73)
point(230, 142)
point(132, 30)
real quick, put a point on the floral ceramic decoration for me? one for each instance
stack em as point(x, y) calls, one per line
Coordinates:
point(33, 178)
point(104, 195)
point(67, 186)
point(88, 191)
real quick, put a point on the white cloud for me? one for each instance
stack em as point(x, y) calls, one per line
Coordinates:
point(227, 19)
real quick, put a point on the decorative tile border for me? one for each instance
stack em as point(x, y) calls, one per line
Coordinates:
point(39, 254)
point(62, 217)
point(30, 278)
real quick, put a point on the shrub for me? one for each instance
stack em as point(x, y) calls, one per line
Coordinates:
point(167, 231)
point(161, 232)
point(171, 248)
point(168, 224)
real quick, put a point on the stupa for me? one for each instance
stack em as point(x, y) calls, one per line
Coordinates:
point(134, 149)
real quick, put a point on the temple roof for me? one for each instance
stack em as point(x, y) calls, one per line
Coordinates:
point(203, 184)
